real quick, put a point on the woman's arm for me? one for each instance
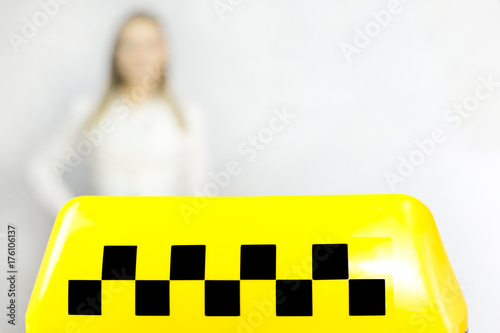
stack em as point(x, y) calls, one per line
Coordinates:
point(197, 150)
point(57, 158)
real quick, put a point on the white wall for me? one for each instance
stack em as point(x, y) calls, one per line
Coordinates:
point(352, 121)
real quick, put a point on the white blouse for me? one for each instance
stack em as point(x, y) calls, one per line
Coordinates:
point(139, 151)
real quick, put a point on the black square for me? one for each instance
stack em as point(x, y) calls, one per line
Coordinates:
point(187, 262)
point(84, 297)
point(367, 297)
point(119, 262)
point(258, 262)
point(152, 298)
point(330, 262)
point(294, 298)
point(222, 298)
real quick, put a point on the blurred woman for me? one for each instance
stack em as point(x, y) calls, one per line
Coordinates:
point(137, 140)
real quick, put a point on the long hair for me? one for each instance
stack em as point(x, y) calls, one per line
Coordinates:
point(116, 80)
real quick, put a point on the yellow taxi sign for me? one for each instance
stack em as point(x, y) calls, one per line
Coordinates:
point(367, 263)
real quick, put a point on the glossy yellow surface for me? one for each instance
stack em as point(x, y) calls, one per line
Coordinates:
point(391, 237)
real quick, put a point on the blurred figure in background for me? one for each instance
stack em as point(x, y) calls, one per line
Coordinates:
point(137, 140)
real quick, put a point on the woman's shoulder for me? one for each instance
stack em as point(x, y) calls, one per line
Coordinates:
point(194, 115)
point(83, 106)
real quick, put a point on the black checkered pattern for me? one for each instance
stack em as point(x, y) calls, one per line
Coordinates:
point(222, 297)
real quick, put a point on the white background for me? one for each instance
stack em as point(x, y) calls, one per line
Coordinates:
point(352, 121)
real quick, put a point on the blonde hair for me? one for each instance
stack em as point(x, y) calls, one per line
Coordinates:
point(116, 80)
